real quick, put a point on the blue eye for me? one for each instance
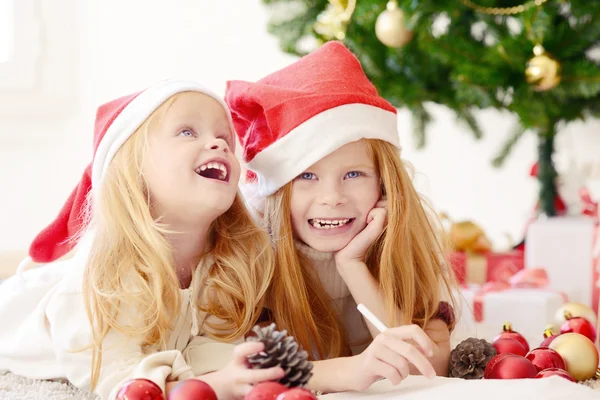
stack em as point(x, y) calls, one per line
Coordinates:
point(187, 133)
point(353, 174)
point(307, 176)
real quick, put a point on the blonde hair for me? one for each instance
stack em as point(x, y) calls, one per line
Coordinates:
point(131, 261)
point(407, 260)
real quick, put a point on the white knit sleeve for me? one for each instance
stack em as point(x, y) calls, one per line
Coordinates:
point(122, 357)
point(206, 355)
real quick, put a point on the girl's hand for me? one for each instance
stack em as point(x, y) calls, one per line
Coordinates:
point(358, 246)
point(389, 356)
point(236, 379)
point(438, 332)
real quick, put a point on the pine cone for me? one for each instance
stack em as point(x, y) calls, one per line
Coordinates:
point(282, 351)
point(469, 358)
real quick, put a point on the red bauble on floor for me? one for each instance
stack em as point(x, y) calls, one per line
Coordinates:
point(510, 346)
point(140, 389)
point(555, 372)
point(507, 332)
point(192, 389)
point(544, 358)
point(509, 366)
point(578, 325)
point(549, 336)
point(266, 391)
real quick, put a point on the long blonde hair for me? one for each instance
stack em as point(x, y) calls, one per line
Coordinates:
point(407, 260)
point(131, 261)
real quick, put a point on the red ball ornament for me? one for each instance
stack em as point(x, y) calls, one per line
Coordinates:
point(140, 389)
point(297, 394)
point(507, 332)
point(544, 358)
point(509, 366)
point(549, 336)
point(555, 372)
point(266, 391)
point(510, 346)
point(578, 325)
point(192, 389)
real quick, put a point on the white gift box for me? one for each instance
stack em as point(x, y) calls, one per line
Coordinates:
point(563, 246)
point(529, 311)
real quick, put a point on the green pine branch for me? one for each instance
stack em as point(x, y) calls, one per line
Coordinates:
point(465, 72)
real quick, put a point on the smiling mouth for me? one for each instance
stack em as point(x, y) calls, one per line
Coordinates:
point(216, 170)
point(321, 223)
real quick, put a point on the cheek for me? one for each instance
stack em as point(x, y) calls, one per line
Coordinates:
point(298, 208)
point(368, 195)
point(236, 170)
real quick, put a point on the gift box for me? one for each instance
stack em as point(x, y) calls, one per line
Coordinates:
point(528, 310)
point(473, 268)
point(563, 246)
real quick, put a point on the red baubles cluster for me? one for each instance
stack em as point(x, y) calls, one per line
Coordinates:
point(144, 389)
point(277, 391)
point(140, 389)
point(193, 389)
point(570, 354)
point(506, 336)
point(578, 325)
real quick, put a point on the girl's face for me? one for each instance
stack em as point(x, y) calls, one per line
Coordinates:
point(331, 199)
point(189, 165)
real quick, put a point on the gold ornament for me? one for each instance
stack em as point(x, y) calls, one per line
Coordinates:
point(390, 26)
point(576, 310)
point(468, 236)
point(542, 71)
point(333, 22)
point(579, 353)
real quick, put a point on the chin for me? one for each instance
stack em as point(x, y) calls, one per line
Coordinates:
point(327, 246)
point(214, 208)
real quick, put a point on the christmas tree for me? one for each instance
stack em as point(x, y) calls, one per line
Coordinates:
point(536, 59)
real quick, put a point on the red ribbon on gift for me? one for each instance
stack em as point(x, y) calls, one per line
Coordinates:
point(590, 208)
point(532, 278)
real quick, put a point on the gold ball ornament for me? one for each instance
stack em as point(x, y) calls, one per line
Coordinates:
point(468, 236)
point(576, 310)
point(542, 71)
point(579, 353)
point(390, 26)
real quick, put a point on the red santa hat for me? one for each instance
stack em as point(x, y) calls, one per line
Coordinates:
point(116, 121)
point(294, 117)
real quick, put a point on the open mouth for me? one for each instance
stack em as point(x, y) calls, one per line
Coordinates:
point(321, 223)
point(216, 170)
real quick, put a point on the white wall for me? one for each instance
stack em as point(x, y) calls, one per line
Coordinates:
point(121, 50)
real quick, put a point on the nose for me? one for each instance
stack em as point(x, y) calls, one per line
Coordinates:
point(331, 195)
point(218, 144)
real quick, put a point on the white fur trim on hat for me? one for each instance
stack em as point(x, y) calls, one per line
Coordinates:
point(134, 115)
point(317, 137)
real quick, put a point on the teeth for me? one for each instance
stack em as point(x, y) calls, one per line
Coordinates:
point(214, 165)
point(328, 223)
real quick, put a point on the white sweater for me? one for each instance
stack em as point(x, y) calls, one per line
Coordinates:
point(44, 323)
point(341, 298)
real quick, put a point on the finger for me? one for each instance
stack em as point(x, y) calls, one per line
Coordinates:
point(394, 360)
point(413, 356)
point(378, 214)
point(414, 333)
point(254, 376)
point(244, 350)
point(381, 204)
point(383, 369)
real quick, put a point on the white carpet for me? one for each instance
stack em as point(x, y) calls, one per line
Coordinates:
point(16, 387)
